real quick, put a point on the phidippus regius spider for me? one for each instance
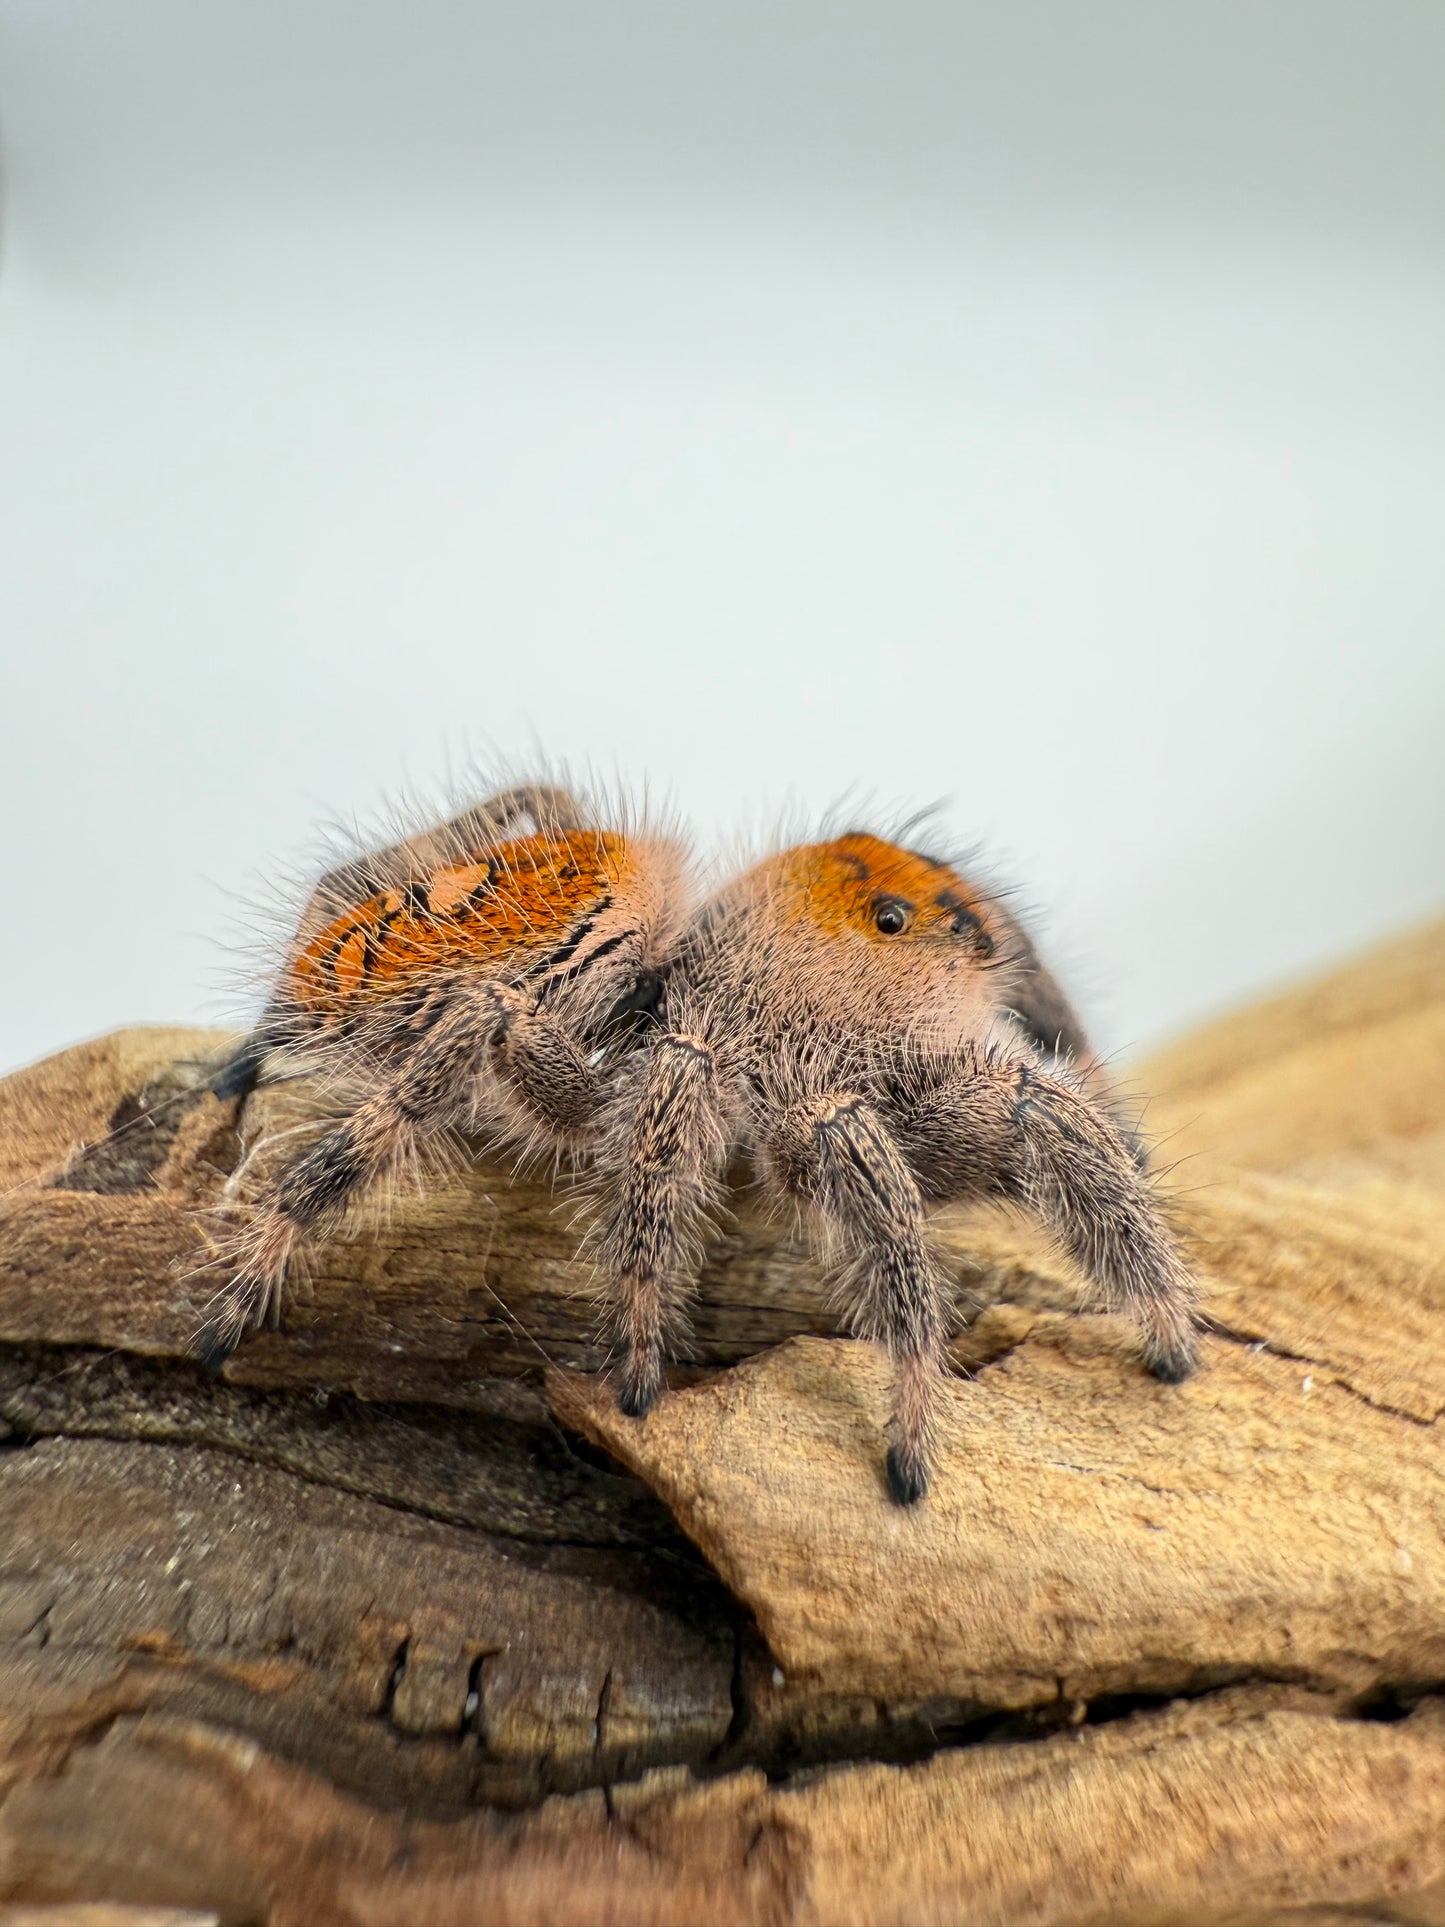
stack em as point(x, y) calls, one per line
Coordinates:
point(872, 1033)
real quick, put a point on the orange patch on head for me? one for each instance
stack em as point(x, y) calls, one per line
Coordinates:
point(525, 895)
point(861, 883)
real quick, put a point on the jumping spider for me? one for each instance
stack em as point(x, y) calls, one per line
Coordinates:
point(875, 1034)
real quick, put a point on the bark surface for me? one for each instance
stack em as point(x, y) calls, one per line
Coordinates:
point(399, 1621)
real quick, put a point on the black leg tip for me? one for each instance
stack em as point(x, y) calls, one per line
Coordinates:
point(1172, 1368)
point(236, 1079)
point(906, 1481)
point(637, 1401)
point(213, 1347)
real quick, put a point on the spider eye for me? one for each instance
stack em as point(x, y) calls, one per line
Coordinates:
point(890, 915)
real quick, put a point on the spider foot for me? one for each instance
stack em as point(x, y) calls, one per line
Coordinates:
point(243, 1307)
point(907, 1476)
point(1171, 1355)
point(1172, 1368)
point(639, 1391)
point(214, 1343)
point(637, 1400)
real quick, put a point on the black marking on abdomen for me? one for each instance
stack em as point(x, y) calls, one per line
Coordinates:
point(558, 979)
point(327, 961)
point(567, 950)
point(479, 892)
point(603, 950)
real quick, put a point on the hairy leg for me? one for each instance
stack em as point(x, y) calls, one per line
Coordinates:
point(241, 1072)
point(837, 1154)
point(471, 1038)
point(545, 1088)
point(663, 1163)
point(993, 1123)
point(477, 829)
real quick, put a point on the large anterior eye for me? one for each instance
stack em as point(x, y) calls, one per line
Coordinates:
point(890, 915)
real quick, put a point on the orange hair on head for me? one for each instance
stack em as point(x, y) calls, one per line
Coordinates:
point(844, 882)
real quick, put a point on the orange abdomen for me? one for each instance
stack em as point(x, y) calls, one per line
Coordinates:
point(525, 895)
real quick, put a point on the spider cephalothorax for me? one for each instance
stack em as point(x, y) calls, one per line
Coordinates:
point(467, 979)
point(878, 1036)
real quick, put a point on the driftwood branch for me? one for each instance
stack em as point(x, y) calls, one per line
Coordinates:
point(399, 1621)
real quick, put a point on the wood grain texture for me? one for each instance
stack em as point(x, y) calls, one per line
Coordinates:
point(399, 1621)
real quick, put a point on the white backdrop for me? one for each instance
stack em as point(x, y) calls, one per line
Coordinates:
point(1038, 407)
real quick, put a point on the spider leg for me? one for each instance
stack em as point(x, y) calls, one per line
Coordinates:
point(547, 807)
point(544, 1080)
point(461, 839)
point(476, 1038)
point(666, 1160)
point(239, 1075)
point(838, 1154)
point(994, 1123)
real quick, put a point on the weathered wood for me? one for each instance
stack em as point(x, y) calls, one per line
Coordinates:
point(396, 1656)
point(1234, 1814)
point(399, 1621)
point(1089, 1532)
point(527, 1482)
